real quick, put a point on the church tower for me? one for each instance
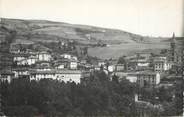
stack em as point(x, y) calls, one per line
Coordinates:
point(172, 46)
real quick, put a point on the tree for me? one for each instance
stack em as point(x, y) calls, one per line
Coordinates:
point(122, 60)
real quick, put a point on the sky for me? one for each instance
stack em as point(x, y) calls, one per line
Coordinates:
point(144, 17)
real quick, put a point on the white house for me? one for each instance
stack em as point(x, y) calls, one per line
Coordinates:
point(143, 64)
point(132, 77)
point(69, 56)
point(60, 75)
point(44, 56)
point(161, 64)
point(60, 66)
point(18, 72)
point(66, 56)
point(31, 60)
point(19, 57)
point(69, 75)
point(22, 62)
point(101, 63)
point(73, 64)
point(24, 59)
point(111, 68)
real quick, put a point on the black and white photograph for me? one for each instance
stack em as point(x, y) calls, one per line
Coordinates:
point(91, 58)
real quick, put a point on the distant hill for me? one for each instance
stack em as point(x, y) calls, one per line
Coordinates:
point(119, 42)
point(43, 30)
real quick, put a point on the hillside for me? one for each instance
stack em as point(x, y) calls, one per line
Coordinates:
point(51, 31)
point(33, 31)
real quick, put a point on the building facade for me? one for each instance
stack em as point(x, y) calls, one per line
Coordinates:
point(60, 75)
point(161, 64)
point(148, 79)
point(44, 56)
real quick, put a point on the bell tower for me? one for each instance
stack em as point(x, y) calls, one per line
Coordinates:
point(172, 47)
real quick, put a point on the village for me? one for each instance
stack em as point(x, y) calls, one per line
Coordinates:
point(88, 58)
point(144, 68)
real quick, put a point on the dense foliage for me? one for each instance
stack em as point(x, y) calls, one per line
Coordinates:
point(52, 98)
point(98, 97)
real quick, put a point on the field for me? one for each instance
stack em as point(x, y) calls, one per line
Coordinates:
point(115, 51)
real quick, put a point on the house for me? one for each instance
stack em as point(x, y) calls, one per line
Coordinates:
point(111, 68)
point(161, 64)
point(101, 63)
point(24, 59)
point(73, 64)
point(131, 76)
point(19, 57)
point(119, 67)
point(148, 79)
point(85, 66)
point(44, 56)
point(6, 75)
point(138, 64)
point(69, 76)
point(42, 74)
point(59, 66)
point(68, 56)
point(62, 61)
point(68, 60)
point(22, 62)
point(83, 61)
point(143, 78)
point(67, 63)
point(43, 64)
point(143, 63)
point(96, 67)
point(31, 60)
point(60, 75)
point(20, 72)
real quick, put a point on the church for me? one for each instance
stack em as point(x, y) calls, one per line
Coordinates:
point(177, 53)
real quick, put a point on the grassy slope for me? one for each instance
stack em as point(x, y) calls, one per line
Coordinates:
point(32, 31)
